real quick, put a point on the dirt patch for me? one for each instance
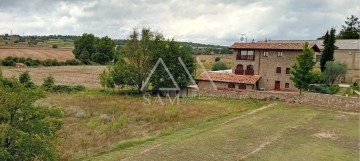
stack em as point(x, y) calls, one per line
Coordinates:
point(342, 117)
point(326, 135)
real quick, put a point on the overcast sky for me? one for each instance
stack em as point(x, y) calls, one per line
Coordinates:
point(214, 21)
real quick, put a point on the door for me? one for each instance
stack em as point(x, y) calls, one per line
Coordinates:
point(277, 85)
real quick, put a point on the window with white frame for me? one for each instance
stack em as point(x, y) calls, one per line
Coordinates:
point(266, 53)
point(280, 54)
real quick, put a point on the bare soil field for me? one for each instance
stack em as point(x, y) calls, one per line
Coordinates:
point(82, 75)
point(60, 54)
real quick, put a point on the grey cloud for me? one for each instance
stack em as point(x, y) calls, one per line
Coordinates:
point(212, 21)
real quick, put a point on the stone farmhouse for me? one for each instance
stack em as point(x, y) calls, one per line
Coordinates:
point(348, 51)
point(261, 65)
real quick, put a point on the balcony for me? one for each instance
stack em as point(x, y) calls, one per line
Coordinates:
point(242, 72)
point(249, 72)
point(239, 71)
point(245, 57)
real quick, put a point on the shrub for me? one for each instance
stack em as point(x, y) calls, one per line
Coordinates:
point(54, 46)
point(326, 89)
point(49, 83)
point(8, 61)
point(219, 66)
point(217, 59)
point(356, 88)
point(356, 83)
point(51, 62)
point(73, 62)
point(25, 79)
point(67, 88)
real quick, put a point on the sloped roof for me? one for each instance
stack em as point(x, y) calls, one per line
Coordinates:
point(229, 78)
point(273, 46)
point(351, 44)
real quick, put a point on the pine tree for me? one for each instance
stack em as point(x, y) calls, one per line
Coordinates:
point(351, 30)
point(301, 70)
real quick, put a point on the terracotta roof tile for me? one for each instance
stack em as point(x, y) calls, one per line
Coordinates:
point(229, 78)
point(274, 46)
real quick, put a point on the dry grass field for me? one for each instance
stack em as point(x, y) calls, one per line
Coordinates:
point(227, 58)
point(96, 122)
point(39, 53)
point(81, 75)
point(208, 60)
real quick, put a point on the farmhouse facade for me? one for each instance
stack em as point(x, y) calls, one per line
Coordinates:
point(264, 66)
point(347, 51)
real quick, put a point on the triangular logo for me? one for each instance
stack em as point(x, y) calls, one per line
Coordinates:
point(167, 71)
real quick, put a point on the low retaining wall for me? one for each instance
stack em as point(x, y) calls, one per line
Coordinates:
point(350, 104)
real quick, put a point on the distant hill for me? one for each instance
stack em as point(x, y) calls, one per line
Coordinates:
point(67, 41)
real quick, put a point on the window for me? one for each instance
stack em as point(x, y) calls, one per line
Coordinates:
point(230, 85)
point(246, 55)
point(280, 53)
point(287, 70)
point(318, 58)
point(278, 70)
point(250, 67)
point(286, 85)
point(240, 67)
point(242, 86)
point(249, 70)
point(266, 54)
point(250, 52)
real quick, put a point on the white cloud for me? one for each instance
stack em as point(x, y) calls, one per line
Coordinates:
point(216, 22)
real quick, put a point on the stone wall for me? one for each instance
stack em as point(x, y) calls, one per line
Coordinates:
point(334, 102)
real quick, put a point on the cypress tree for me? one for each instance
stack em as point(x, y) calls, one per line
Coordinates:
point(329, 47)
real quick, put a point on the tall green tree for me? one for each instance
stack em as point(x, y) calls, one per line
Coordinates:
point(138, 52)
point(329, 48)
point(170, 52)
point(123, 74)
point(105, 51)
point(301, 71)
point(352, 28)
point(85, 47)
point(27, 132)
point(333, 71)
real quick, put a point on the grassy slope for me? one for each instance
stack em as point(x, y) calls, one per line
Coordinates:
point(84, 134)
point(283, 132)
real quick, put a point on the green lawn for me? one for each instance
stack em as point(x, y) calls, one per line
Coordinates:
point(281, 132)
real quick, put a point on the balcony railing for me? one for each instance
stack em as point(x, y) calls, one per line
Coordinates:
point(242, 72)
point(245, 57)
point(239, 71)
point(249, 72)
